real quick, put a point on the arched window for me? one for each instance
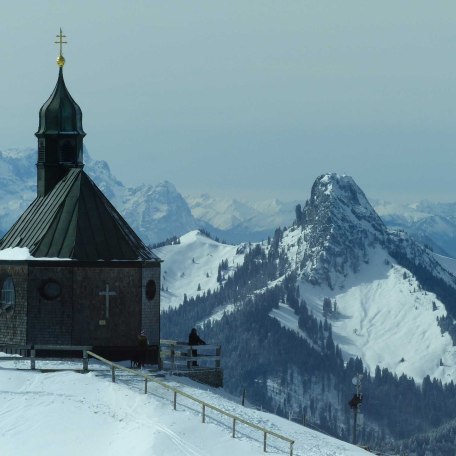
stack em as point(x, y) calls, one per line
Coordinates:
point(7, 295)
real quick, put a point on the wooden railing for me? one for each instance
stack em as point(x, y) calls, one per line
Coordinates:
point(30, 351)
point(204, 405)
point(176, 355)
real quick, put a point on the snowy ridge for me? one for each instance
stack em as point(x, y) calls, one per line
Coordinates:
point(342, 251)
point(193, 264)
point(433, 224)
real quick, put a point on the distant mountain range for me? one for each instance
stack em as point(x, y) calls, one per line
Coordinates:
point(159, 211)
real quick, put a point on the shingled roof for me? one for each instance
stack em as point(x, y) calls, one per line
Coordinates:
point(75, 220)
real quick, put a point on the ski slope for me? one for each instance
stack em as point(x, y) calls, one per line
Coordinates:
point(57, 413)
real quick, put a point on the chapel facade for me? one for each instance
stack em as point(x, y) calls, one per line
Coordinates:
point(88, 278)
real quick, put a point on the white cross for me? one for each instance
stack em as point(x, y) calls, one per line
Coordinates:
point(107, 293)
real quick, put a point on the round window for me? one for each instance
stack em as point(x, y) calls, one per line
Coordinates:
point(50, 289)
point(151, 289)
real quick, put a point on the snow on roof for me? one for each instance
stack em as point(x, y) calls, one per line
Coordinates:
point(21, 254)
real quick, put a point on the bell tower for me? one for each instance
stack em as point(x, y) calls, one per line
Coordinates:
point(60, 134)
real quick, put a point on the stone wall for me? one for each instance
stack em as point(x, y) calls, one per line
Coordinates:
point(13, 323)
point(211, 377)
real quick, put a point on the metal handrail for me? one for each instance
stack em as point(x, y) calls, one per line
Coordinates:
point(204, 404)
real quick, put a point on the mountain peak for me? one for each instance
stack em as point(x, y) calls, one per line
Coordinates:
point(339, 196)
point(339, 227)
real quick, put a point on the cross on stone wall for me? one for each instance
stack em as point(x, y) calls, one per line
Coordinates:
point(107, 294)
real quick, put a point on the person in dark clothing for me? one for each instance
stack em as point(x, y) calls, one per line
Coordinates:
point(143, 344)
point(194, 339)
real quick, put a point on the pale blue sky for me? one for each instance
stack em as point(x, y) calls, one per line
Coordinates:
point(252, 99)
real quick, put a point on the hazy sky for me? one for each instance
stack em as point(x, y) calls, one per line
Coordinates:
point(252, 99)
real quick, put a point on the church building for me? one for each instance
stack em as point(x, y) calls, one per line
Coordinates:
point(73, 271)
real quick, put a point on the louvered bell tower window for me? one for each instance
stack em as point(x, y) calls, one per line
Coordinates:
point(41, 150)
point(67, 152)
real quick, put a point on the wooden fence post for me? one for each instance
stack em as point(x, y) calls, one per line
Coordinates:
point(218, 351)
point(32, 358)
point(113, 374)
point(234, 428)
point(291, 449)
point(85, 361)
point(264, 442)
point(175, 400)
point(204, 414)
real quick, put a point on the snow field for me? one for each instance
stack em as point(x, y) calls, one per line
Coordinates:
point(69, 413)
point(388, 321)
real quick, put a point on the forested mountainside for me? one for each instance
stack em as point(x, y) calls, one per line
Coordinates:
point(286, 318)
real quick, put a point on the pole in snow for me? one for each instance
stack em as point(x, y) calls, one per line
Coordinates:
point(355, 403)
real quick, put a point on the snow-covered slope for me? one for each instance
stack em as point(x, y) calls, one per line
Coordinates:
point(191, 267)
point(47, 414)
point(448, 263)
point(342, 251)
point(430, 223)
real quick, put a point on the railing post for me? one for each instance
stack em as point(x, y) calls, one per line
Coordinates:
point(145, 385)
point(264, 442)
point(234, 428)
point(291, 448)
point(85, 361)
point(173, 360)
point(175, 400)
point(113, 374)
point(32, 358)
point(203, 418)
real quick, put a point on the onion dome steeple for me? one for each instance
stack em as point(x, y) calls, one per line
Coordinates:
point(60, 133)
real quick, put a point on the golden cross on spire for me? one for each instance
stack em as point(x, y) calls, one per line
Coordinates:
point(60, 58)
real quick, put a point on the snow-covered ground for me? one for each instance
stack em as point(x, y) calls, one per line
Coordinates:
point(68, 413)
point(191, 263)
point(386, 319)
